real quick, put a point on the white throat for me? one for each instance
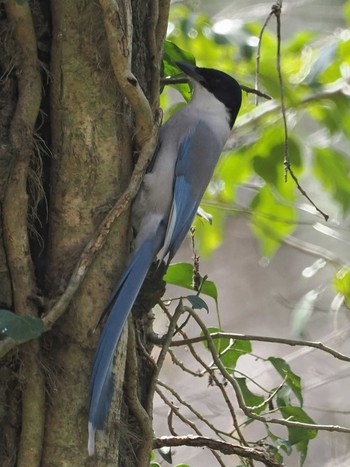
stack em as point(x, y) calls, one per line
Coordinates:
point(210, 109)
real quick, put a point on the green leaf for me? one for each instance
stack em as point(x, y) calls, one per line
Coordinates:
point(229, 350)
point(197, 302)
point(302, 449)
point(332, 169)
point(271, 220)
point(298, 434)
point(20, 328)
point(280, 443)
point(268, 162)
point(172, 54)
point(250, 399)
point(347, 12)
point(220, 344)
point(291, 379)
point(166, 454)
point(283, 397)
point(341, 283)
point(181, 274)
point(209, 236)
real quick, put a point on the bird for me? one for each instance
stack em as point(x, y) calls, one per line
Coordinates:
point(189, 146)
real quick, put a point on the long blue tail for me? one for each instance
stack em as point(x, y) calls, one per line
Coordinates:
point(124, 296)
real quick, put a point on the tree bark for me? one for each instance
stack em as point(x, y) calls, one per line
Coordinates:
point(89, 131)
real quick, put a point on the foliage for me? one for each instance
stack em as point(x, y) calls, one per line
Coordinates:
point(20, 328)
point(315, 73)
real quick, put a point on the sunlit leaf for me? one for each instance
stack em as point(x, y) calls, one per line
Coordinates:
point(333, 168)
point(271, 220)
point(210, 236)
point(341, 283)
point(181, 274)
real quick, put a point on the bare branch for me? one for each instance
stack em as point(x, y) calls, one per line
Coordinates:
point(218, 445)
point(256, 92)
point(274, 340)
point(167, 342)
point(217, 383)
point(175, 410)
point(276, 11)
point(247, 410)
point(191, 408)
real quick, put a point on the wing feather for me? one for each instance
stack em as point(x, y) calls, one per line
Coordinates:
point(198, 154)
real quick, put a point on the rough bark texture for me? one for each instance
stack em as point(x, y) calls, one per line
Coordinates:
point(85, 164)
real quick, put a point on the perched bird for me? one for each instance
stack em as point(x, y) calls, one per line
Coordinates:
point(190, 144)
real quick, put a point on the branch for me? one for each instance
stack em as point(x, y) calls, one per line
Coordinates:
point(175, 410)
point(117, 18)
point(190, 408)
point(217, 445)
point(166, 343)
point(274, 340)
point(256, 92)
point(220, 385)
point(276, 11)
point(15, 227)
point(247, 410)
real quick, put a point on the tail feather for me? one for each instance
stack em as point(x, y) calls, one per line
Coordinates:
point(124, 296)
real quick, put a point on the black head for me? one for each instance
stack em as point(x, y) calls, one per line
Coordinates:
point(223, 86)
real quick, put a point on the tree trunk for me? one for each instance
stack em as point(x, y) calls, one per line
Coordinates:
point(84, 145)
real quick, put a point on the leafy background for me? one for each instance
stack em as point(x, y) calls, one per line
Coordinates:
point(279, 268)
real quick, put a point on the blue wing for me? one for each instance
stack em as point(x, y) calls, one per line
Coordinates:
point(198, 154)
point(123, 298)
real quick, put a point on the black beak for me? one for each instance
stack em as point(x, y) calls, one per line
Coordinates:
point(190, 70)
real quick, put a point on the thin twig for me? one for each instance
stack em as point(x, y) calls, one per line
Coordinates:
point(175, 410)
point(257, 92)
point(276, 11)
point(257, 74)
point(191, 408)
point(247, 89)
point(167, 342)
point(247, 410)
point(274, 340)
point(217, 383)
point(178, 363)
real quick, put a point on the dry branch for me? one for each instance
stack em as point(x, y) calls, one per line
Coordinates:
point(217, 445)
point(15, 226)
